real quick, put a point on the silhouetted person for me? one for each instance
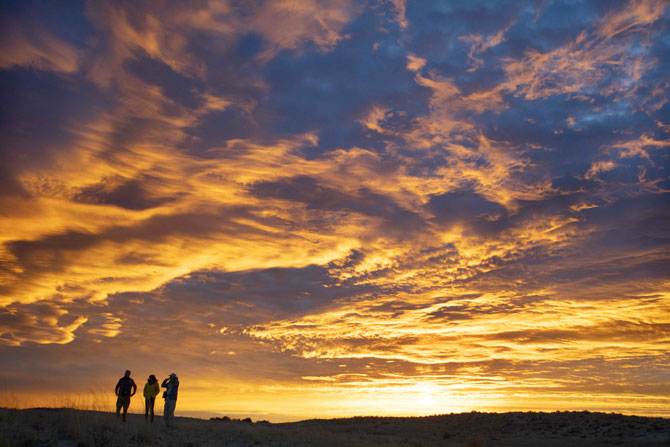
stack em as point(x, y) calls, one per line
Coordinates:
point(125, 389)
point(151, 390)
point(170, 395)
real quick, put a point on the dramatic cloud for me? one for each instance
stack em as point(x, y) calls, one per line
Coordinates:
point(319, 208)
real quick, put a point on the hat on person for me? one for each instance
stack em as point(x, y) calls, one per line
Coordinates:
point(173, 375)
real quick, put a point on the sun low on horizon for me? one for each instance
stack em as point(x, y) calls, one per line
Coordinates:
point(310, 208)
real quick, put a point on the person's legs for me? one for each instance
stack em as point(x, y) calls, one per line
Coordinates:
point(169, 411)
point(126, 404)
point(151, 404)
point(166, 412)
point(119, 404)
point(146, 409)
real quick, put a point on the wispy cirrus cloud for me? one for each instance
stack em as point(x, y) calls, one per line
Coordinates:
point(32, 46)
point(614, 47)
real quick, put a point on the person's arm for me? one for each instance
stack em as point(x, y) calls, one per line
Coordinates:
point(116, 390)
point(134, 385)
point(164, 384)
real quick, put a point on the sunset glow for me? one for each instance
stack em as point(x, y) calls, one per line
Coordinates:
point(334, 208)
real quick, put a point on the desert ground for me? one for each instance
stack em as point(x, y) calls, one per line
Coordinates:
point(63, 427)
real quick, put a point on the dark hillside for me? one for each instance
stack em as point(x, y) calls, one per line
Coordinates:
point(63, 427)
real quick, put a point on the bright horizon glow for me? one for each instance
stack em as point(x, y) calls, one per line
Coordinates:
point(335, 208)
point(413, 401)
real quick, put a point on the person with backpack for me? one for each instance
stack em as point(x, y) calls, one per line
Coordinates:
point(171, 384)
point(125, 389)
point(151, 390)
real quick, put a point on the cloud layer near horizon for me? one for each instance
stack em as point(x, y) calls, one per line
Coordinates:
point(339, 197)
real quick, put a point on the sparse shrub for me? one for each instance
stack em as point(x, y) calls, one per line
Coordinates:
point(62, 425)
point(39, 443)
point(37, 425)
point(222, 419)
point(100, 435)
point(142, 437)
point(247, 420)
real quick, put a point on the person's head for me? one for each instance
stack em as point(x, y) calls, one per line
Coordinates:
point(127, 373)
point(152, 379)
point(173, 376)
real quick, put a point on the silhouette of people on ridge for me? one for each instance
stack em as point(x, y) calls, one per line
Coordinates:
point(125, 389)
point(151, 390)
point(171, 384)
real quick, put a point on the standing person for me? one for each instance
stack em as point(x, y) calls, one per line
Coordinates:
point(125, 389)
point(151, 390)
point(170, 395)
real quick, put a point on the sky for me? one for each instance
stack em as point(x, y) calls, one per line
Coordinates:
point(331, 208)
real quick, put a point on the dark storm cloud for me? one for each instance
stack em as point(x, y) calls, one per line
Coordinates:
point(571, 184)
point(10, 186)
point(307, 190)
point(152, 230)
point(262, 294)
point(37, 112)
point(130, 194)
point(464, 207)
point(181, 89)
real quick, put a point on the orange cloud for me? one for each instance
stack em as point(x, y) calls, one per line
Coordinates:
point(480, 44)
point(163, 33)
point(415, 63)
point(291, 24)
point(400, 10)
point(49, 325)
point(37, 48)
point(582, 64)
